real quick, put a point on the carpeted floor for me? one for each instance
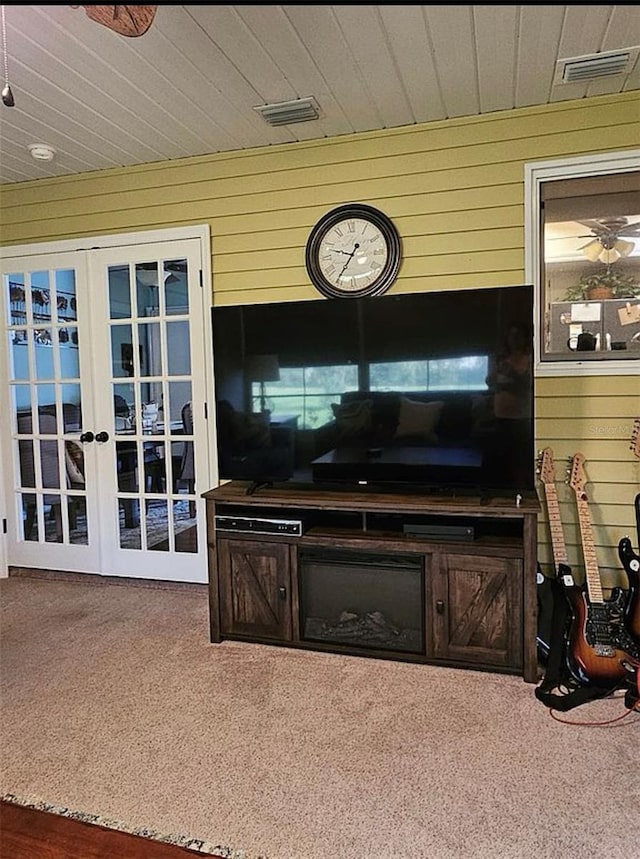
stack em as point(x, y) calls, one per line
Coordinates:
point(114, 704)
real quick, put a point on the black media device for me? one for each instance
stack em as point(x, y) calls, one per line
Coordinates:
point(411, 392)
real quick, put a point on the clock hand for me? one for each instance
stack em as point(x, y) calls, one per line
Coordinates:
point(355, 248)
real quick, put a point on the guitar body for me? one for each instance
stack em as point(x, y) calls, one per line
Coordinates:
point(594, 655)
point(631, 563)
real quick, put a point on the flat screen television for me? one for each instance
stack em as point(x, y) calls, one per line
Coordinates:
point(431, 392)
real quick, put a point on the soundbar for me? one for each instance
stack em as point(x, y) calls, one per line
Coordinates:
point(257, 525)
point(440, 532)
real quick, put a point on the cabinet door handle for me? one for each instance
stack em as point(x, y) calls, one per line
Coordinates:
point(102, 436)
point(283, 592)
point(87, 437)
point(440, 606)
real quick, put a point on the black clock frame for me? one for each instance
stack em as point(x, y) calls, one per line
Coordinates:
point(330, 219)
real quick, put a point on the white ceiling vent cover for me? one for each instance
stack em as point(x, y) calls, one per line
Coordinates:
point(288, 112)
point(588, 68)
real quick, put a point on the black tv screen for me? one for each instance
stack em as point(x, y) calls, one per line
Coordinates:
point(430, 391)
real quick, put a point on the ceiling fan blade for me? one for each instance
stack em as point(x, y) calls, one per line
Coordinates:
point(629, 230)
point(596, 227)
point(124, 20)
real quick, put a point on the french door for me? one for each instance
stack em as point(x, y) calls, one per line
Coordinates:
point(105, 383)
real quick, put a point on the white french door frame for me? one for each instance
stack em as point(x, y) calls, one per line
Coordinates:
point(87, 248)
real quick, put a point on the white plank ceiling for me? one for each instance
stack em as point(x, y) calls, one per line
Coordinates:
point(190, 84)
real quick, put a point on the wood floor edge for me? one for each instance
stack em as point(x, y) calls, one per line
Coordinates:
point(194, 846)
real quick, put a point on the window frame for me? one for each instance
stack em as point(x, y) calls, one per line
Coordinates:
point(536, 173)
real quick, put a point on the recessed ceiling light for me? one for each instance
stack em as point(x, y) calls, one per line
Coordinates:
point(42, 151)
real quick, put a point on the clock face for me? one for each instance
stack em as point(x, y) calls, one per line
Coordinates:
point(352, 251)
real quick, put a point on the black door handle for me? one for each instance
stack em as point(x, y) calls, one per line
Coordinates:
point(102, 436)
point(87, 436)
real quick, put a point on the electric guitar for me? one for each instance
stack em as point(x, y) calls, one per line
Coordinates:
point(630, 561)
point(546, 471)
point(548, 590)
point(597, 636)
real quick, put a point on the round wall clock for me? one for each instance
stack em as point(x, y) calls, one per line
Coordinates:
point(353, 250)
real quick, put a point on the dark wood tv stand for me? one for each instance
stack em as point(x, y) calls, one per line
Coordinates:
point(476, 562)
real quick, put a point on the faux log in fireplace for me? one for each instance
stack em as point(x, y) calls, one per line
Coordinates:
point(370, 600)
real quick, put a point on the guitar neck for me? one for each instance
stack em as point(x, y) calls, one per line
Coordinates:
point(555, 526)
point(592, 574)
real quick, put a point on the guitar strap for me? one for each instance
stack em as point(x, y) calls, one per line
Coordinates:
point(559, 690)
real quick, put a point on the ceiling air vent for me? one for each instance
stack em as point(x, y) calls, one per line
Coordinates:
point(581, 69)
point(287, 112)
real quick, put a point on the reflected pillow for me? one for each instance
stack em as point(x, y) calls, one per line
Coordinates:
point(353, 419)
point(419, 419)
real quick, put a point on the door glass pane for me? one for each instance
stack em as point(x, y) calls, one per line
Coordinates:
point(50, 464)
point(122, 352)
point(147, 290)
point(77, 516)
point(157, 526)
point(43, 353)
point(185, 528)
point(69, 355)
point(124, 408)
point(119, 292)
point(18, 354)
point(175, 287)
point(30, 530)
point(71, 407)
point(127, 465)
point(179, 355)
point(130, 536)
point(66, 303)
point(179, 395)
point(150, 349)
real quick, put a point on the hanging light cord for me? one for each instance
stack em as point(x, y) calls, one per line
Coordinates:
point(7, 95)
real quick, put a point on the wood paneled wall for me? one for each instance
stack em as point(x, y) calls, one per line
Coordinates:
point(455, 190)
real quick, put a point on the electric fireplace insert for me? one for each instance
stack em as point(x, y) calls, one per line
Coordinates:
point(362, 599)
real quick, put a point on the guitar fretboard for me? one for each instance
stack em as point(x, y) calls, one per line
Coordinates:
point(594, 587)
point(555, 525)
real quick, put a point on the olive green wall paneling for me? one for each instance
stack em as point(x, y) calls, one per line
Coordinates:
point(594, 416)
point(454, 189)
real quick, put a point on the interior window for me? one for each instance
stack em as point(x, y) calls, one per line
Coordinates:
point(590, 268)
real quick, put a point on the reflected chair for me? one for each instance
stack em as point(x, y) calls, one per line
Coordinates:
point(187, 470)
point(49, 470)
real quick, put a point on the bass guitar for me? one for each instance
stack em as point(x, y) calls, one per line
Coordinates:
point(630, 561)
point(597, 636)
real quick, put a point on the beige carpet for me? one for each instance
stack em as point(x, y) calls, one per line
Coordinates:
point(115, 704)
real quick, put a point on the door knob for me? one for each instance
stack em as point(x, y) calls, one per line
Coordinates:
point(440, 606)
point(102, 436)
point(87, 436)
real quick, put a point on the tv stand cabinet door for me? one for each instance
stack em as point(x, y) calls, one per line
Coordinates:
point(477, 611)
point(255, 590)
